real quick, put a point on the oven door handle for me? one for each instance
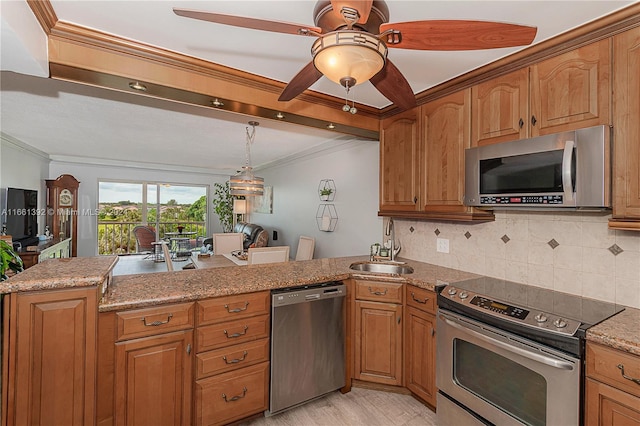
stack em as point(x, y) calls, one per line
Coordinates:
point(552, 362)
point(567, 160)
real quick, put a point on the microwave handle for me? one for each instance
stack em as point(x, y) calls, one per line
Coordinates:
point(567, 157)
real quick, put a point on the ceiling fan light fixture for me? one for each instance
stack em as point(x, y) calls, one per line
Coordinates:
point(353, 56)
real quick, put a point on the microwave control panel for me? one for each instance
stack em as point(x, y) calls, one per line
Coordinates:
point(522, 199)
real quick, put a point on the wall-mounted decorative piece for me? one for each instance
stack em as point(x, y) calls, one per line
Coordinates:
point(327, 217)
point(327, 190)
point(263, 203)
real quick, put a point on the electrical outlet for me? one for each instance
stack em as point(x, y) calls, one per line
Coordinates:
point(442, 245)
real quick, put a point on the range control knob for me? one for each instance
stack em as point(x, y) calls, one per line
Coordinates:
point(560, 323)
point(452, 291)
point(541, 317)
point(463, 295)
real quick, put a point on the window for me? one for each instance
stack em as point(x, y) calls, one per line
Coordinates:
point(166, 207)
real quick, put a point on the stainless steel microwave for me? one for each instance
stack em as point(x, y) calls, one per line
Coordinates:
point(568, 169)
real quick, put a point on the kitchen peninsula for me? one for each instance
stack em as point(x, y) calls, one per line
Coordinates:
point(117, 329)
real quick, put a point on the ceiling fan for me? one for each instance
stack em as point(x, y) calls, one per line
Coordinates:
point(353, 37)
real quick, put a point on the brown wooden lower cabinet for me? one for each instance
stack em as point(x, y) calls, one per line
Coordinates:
point(612, 398)
point(231, 396)
point(378, 342)
point(420, 366)
point(153, 380)
point(50, 344)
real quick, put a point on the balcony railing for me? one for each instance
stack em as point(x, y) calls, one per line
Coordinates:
point(118, 238)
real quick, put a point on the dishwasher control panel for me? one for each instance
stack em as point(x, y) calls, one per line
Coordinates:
point(312, 293)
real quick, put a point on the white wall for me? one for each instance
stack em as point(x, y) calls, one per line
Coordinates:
point(90, 174)
point(22, 166)
point(516, 247)
point(354, 169)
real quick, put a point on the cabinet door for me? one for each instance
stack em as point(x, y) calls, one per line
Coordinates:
point(445, 135)
point(153, 380)
point(420, 354)
point(571, 90)
point(399, 157)
point(626, 126)
point(500, 109)
point(52, 359)
point(608, 406)
point(378, 342)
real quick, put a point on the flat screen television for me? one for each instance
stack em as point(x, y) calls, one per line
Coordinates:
point(20, 215)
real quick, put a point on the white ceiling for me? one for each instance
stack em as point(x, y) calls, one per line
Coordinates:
point(65, 119)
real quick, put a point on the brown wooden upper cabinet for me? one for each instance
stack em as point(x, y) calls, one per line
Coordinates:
point(566, 92)
point(422, 161)
point(445, 135)
point(399, 162)
point(626, 131)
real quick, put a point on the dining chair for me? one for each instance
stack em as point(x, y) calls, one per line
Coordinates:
point(305, 248)
point(257, 255)
point(145, 236)
point(227, 242)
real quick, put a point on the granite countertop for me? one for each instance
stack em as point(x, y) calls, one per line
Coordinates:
point(142, 290)
point(622, 331)
point(55, 274)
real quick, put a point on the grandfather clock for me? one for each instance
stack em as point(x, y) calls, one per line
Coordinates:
point(62, 209)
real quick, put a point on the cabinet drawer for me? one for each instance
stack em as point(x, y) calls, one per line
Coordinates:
point(232, 332)
point(232, 396)
point(156, 320)
point(420, 298)
point(379, 291)
point(231, 358)
point(212, 311)
point(602, 365)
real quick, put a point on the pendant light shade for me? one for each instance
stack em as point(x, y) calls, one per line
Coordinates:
point(246, 183)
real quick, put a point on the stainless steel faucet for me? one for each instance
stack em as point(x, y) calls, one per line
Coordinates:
point(389, 231)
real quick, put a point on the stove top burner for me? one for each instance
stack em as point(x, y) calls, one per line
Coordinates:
point(547, 316)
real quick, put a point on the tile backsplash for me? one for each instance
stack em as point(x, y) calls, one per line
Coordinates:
point(570, 252)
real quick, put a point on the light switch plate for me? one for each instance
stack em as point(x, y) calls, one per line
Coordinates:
point(442, 245)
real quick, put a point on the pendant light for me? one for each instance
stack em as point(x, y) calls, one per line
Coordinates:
point(246, 183)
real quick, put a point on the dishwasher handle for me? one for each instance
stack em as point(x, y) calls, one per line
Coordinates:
point(306, 295)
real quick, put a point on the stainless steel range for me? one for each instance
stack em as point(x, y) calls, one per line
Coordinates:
point(512, 354)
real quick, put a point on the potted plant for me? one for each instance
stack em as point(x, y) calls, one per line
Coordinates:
point(9, 260)
point(223, 205)
point(325, 193)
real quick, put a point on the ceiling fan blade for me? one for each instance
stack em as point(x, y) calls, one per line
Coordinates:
point(240, 21)
point(392, 84)
point(362, 6)
point(301, 82)
point(459, 35)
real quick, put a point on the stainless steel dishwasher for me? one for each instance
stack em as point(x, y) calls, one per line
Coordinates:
point(307, 343)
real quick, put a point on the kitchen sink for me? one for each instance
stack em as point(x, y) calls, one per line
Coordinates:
point(382, 268)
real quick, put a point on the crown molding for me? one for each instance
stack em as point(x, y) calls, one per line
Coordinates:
point(23, 147)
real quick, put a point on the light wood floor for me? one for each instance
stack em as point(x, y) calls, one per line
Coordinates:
point(358, 407)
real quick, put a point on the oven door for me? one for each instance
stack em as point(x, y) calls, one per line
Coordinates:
point(504, 378)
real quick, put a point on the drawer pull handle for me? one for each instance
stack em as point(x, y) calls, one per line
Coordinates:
point(237, 360)
point(235, 398)
point(424, 302)
point(634, 380)
point(236, 310)
point(378, 293)
point(156, 323)
point(230, 336)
